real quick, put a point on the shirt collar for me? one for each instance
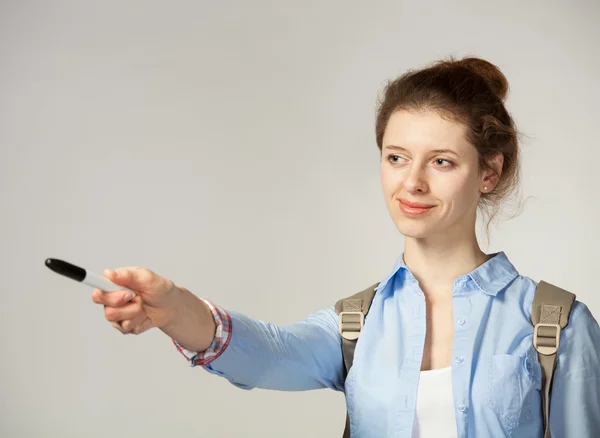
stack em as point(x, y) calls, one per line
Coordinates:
point(491, 277)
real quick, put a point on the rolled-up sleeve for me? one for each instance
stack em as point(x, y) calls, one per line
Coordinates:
point(251, 353)
point(219, 343)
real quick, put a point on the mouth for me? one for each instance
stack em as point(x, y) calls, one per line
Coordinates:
point(414, 208)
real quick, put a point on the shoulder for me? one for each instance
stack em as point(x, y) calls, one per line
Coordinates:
point(522, 291)
point(579, 350)
point(580, 339)
point(581, 318)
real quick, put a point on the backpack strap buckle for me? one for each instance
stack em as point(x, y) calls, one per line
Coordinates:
point(351, 324)
point(546, 338)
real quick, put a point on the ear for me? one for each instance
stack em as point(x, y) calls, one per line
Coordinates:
point(492, 176)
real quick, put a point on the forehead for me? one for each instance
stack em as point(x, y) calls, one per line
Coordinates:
point(419, 131)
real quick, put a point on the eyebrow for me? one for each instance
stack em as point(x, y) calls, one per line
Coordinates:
point(436, 151)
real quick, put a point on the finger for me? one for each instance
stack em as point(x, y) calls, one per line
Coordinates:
point(117, 325)
point(124, 312)
point(135, 278)
point(144, 326)
point(135, 326)
point(112, 299)
point(129, 325)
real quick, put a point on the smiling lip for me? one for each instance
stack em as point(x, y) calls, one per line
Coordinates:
point(415, 204)
point(414, 208)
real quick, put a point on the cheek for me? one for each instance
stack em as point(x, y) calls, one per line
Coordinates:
point(389, 182)
point(458, 193)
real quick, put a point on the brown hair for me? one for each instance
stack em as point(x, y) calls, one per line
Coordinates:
point(470, 91)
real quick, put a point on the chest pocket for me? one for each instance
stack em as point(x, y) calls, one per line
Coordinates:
point(514, 389)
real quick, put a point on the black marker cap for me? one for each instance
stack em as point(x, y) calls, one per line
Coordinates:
point(66, 269)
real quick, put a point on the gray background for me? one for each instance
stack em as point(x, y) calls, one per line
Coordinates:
point(230, 147)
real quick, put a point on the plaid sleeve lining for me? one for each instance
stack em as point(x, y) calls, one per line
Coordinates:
point(219, 343)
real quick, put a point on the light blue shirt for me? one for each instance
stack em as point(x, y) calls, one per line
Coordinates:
point(496, 376)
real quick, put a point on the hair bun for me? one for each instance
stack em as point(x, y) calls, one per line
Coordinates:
point(488, 71)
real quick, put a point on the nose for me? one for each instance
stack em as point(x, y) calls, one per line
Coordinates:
point(416, 180)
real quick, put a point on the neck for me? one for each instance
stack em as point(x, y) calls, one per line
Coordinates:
point(437, 264)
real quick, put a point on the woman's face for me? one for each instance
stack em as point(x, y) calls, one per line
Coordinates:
point(430, 175)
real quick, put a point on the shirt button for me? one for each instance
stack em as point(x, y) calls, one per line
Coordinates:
point(459, 359)
point(462, 408)
point(461, 321)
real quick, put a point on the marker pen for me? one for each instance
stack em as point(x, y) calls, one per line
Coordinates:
point(81, 275)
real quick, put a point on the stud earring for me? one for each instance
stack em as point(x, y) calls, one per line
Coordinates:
point(485, 188)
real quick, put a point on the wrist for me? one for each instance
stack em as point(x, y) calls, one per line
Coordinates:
point(190, 323)
point(175, 308)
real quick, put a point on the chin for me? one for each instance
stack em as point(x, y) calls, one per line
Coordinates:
point(415, 230)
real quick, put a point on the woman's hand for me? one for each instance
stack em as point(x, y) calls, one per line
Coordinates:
point(158, 302)
point(154, 305)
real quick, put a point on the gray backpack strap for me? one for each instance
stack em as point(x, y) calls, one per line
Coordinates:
point(352, 311)
point(549, 315)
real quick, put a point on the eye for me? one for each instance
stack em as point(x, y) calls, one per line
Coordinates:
point(394, 159)
point(441, 162)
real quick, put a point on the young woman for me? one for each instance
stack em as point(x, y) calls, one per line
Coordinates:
point(446, 350)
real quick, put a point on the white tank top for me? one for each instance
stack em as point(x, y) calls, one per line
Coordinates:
point(435, 416)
